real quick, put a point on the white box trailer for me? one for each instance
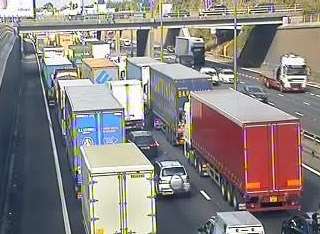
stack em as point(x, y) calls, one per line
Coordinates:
point(61, 98)
point(138, 68)
point(130, 94)
point(118, 190)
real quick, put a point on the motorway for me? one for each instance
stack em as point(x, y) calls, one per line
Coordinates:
point(305, 106)
point(35, 205)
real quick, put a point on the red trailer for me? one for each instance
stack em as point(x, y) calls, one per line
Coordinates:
point(250, 149)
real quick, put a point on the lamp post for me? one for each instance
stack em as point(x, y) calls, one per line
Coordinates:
point(235, 67)
point(161, 31)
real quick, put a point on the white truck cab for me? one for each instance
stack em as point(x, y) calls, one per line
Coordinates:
point(292, 72)
point(232, 223)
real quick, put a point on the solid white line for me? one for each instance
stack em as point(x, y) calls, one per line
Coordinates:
point(281, 95)
point(298, 113)
point(306, 103)
point(56, 161)
point(206, 196)
point(311, 169)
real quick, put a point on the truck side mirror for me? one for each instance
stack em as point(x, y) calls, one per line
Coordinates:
point(308, 71)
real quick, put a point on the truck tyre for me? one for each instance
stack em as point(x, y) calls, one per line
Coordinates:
point(199, 168)
point(223, 190)
point(267, 84)
point(229, 194)
point(281, 88)
point(235, 200)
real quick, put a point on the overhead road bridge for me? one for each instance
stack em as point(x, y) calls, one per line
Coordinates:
point(101, 23)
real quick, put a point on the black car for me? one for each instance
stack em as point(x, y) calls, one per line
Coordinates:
point(255, 92)
point(145, 142)
point(304, 223)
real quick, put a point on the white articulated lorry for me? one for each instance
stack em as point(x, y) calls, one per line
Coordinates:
point(118, 190)
point(130, 95)
point(190, 51)
point(290, 75)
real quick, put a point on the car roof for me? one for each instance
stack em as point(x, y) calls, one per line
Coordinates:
point(170, 163)
point(208, 69)
point(141, 133)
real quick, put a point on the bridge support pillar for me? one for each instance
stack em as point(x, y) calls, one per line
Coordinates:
point(145, 42)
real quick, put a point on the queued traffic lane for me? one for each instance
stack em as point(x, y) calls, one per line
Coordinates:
point(305, 106)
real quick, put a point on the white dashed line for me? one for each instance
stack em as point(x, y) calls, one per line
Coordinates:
point(311, 169)
point(312, 94)
point(298, 113)
point(271, 103)
point(306, 103)
point(318, 95)
point(281, 95)
point(242, 82)
point(206, 196)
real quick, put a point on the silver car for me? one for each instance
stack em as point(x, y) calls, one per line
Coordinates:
point(171, 178)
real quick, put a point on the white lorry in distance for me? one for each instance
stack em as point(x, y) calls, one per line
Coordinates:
point(290, 75)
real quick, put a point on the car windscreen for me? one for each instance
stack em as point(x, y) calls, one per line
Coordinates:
point(144, 140)
point(173, 171)
point(211, 73)
point(227, 72)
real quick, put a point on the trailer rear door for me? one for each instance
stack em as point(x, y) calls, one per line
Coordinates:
point(258, 167)
point(287, 156)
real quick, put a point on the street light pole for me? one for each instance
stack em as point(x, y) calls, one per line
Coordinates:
point(161, 31)
point(235, 68)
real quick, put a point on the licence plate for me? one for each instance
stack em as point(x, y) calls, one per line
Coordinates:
point(273, 199)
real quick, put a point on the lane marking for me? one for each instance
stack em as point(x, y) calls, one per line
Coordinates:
point(311, 169)
point(298, 113)
point(206, 196)
point(312, 94)
point(271, 103)
point(281, 95)
point(318, 95)
point(306, 103)
point(56, 160)
point(242, 82)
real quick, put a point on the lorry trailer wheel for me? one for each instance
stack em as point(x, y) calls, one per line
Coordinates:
point(229, 194)
point(223, 189)
point(235, 202)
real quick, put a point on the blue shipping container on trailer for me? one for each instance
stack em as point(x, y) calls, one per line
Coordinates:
point(171, 85)
point(94, 117)
point(49, 67)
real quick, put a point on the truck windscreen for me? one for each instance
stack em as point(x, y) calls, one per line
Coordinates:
point(296, 70)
